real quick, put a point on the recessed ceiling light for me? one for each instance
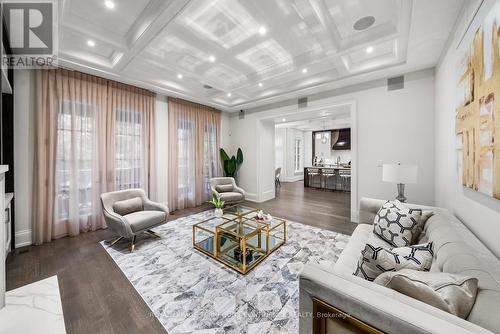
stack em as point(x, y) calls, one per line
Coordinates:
point(304, 70)
point(110, 4)
point(369, 49)
point(262, 30)
point(90, 43)
point(260, 84)
point(179, 76)
point(212, 59)
point(228, 94)
point(283, 120)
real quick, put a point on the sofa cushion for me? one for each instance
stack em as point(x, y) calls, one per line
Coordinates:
point(486, 310)
point(452, 293)
point(224, 188)
point(142, 220)
point(397, 224)
point(128, 206)
point(377, 260)
point(231, 197)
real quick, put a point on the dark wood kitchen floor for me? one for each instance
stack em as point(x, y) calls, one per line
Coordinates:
point(98, 298)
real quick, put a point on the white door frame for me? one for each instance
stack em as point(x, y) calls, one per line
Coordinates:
point(292, 110)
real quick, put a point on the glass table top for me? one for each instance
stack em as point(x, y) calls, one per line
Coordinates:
point(239, 231)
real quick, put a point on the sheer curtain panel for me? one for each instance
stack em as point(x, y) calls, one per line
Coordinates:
point(131, 137)
point(194, 137)
point(69, 163)
point(92, 136)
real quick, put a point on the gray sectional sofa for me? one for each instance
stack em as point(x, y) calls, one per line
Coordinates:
point(456, 250)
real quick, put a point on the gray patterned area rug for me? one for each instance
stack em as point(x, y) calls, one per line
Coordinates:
point(191, 293)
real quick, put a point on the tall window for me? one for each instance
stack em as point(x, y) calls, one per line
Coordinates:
point(76, 159)
point(92, 136)
point(185, 144)
point(187, 159)
point(194, 155)
point(129, 150)
point(210, 156)
point(298, 155)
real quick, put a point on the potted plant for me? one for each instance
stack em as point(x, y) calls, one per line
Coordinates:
point(219, 205)
point(231, 165)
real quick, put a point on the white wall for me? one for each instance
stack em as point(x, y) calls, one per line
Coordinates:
point(24, 148)
point(244, 135)
point(393, 126)
point(287, 160)
point(479, 212)
point(308, 149)
point(225, 138)
point(266, 160)
point(280, 148)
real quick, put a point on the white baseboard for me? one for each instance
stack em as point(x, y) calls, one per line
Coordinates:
point(355, 216)
point(267, 195)
point(251, 197)
point(23, 238)
point(293, 178)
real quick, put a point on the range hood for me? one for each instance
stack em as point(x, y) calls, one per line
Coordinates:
point(341, 139)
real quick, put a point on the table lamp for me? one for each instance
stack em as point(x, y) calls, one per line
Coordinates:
point(400, 174)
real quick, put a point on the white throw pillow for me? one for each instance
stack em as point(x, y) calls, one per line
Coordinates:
point(452, 293)
point(378, 260)
point(397, 224)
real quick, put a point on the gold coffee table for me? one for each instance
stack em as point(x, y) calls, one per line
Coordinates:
point(237, 239)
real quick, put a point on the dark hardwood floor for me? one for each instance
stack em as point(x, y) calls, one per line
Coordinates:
point(98, 298)
point(325, 209)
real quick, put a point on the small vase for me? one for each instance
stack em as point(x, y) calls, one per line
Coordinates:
point(218, 213)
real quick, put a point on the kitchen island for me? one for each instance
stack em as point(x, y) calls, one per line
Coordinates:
point(332, 177)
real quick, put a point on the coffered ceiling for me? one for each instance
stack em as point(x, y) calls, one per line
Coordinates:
point(235, 55)
point(338, 117)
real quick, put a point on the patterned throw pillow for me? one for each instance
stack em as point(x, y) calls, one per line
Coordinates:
point(377, 260)
point(398, 225)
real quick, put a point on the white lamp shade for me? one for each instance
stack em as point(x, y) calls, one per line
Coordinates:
point(397, 173)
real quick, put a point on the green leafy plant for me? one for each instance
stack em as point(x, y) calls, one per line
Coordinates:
point(231, 165)
point(217, 202)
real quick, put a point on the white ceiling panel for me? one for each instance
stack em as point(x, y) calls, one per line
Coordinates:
point(119, 20)
point(250, 52)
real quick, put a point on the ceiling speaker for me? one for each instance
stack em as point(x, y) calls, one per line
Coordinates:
point(364, 23)
point(396, 83)
point(302, 102)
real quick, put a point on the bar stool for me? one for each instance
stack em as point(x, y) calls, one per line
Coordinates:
point(328, 174)
point(345, 178)
point(277, 178)
point(312, 174)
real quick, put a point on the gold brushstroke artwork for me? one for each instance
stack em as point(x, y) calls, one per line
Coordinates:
point(478, 110)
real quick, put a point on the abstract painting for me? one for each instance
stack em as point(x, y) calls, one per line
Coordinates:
point(478, 109)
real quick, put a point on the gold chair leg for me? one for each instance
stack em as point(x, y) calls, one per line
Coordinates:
point(115, 241)
point(153, 233)
point(132, 244)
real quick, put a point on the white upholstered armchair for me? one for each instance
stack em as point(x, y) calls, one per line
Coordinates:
point(226, 189)
point(129, 213)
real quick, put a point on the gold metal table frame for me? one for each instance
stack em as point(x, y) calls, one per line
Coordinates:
point(237, 239)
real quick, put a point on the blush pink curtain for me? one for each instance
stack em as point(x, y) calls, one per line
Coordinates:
point(132, 116)
point(74, 148)
point(194, 137)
